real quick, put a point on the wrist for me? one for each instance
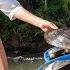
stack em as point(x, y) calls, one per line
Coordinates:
point(36, 21)
point(43, 23)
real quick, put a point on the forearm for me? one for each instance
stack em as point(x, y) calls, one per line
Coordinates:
point(3, 58)
point(26, 16)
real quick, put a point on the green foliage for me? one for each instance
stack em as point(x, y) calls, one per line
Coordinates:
point(57, 11)
point(18, 30)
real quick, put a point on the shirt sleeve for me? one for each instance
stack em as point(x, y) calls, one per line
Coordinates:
point(10, 7)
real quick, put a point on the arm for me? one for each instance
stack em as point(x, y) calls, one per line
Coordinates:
point(3, 59)
point(26, 16)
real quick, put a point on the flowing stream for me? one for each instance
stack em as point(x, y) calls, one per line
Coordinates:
point(21, 63)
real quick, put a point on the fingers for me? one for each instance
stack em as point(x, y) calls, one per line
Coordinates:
point(53, 26)
point(47, 26)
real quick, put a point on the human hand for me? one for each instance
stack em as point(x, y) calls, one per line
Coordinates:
point(46, 25)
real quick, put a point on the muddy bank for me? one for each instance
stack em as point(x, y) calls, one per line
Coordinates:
point(21, 43)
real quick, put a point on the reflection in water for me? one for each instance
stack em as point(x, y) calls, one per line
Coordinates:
point(21, 63)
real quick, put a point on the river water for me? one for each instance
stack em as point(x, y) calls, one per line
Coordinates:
point(25, 64)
